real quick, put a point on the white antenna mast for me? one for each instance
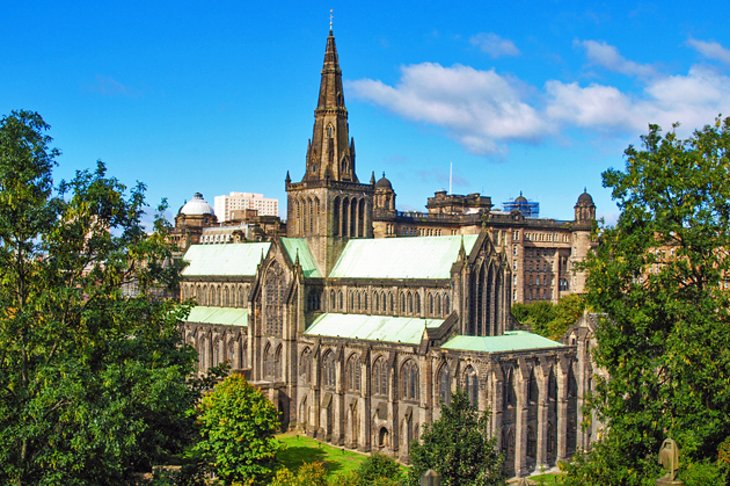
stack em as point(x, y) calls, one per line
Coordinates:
point(451, 177)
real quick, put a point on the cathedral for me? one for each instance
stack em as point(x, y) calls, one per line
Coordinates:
point(359, 321)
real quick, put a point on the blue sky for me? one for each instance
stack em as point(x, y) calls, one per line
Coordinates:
point(538, 97)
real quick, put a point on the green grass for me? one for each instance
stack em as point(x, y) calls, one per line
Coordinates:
point(548, 479)
point(301, 449)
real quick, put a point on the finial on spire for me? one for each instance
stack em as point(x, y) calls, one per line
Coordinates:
point(585, 189)
point(332, 16)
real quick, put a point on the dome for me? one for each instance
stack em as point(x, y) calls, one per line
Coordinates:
point(520, 198)
point(585, 199)
point(384, 183)
point(196, 206)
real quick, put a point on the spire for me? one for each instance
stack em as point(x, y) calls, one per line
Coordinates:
point(330, 88)
point(331, 151)
point(372, 179)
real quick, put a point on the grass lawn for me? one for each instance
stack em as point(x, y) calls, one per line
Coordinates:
point(548, 479)
point(301, 448)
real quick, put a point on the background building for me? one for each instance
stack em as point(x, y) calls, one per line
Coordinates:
point(239, 201)
point(529, 209)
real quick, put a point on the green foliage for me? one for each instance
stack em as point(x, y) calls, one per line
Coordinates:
point(458, 447)
point(237, 425)
point(378, 467)
point(548, 319)
point(346, 478)
point(659, 276)
point(92, 378)
point(308, 474)
point(609, 463)
point(703, 474)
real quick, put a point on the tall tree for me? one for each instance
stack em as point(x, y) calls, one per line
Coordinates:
point(92, 371)
point(237, 424)
point(661, 275)
point(458, 447)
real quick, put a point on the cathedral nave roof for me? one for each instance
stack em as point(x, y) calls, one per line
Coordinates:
point(407, 330)
point(509, 341)
point(221, 316)
point(421, 257)
point(231, 259)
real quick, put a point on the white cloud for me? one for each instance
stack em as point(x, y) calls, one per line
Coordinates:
point(494, 45)
point(485, 111)
point(607, 56)
point(592, 106)
point(711, 50)
point(481, 109)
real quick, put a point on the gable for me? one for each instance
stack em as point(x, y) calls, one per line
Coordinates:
point(422, 257)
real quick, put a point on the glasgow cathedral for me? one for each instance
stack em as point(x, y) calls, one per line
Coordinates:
point(360, 321)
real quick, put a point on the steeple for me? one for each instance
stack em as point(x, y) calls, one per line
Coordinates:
point(330, 151)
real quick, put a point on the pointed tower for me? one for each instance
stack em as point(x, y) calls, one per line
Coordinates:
point(329, 206)
point(331, 152)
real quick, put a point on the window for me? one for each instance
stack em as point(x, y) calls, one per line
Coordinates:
point(444, 383)
point(352, 374)
point(274, 284)
point(305, 366)
point(472, 386)
point(380, 378)
point(409, 381)
point(328, 370)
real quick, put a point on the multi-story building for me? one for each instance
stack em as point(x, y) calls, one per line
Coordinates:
point(542, 253)
point(361, 340)
point(225, 205)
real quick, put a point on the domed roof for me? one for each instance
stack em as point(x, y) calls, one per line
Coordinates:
point(384, 183)
point(196, 206)
point(520, 198)
point(585, 199)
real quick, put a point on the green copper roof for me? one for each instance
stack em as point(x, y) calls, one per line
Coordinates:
point(227, 316)
point(231, 259)
point(299, 246)
point(509, 341)
point(372, 328)
point(427, 257)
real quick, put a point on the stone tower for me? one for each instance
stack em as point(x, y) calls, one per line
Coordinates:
point(329, 205)
point(585, 217)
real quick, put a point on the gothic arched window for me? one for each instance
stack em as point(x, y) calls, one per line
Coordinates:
point(268, 363)
point(380, 378)
point(472, 386)
point(305, 366)
point(444, 383)
point(274, 284)
point(352, 374)
point(409, 380)
point(508, 394)
point(328, 370)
